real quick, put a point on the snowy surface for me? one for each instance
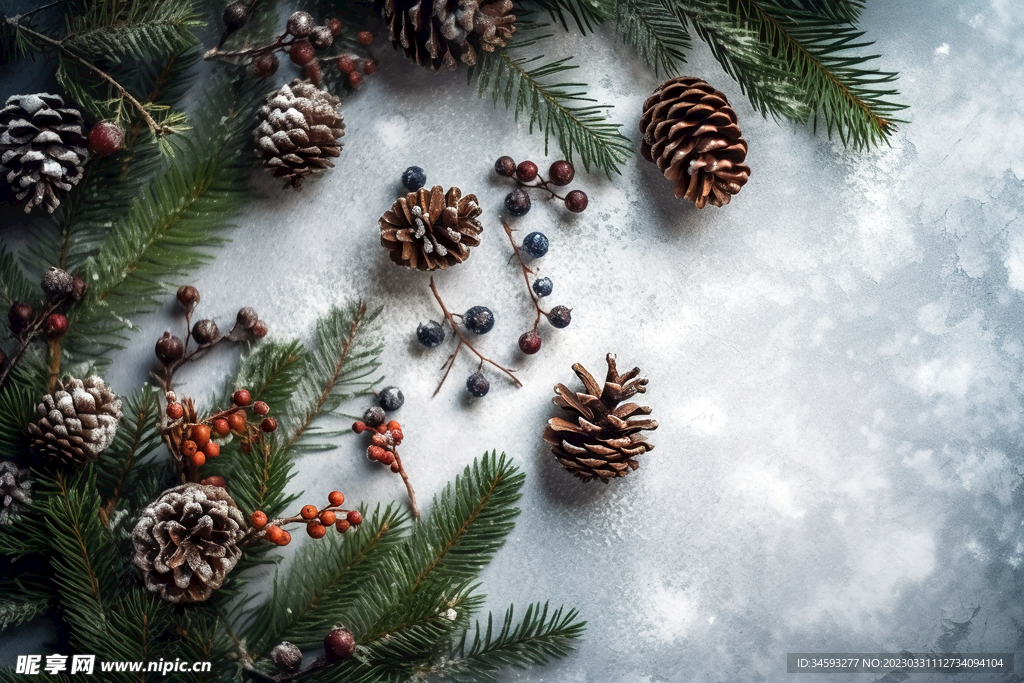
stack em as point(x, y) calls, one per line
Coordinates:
point(836, 359)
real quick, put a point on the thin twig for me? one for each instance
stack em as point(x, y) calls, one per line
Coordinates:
point(463, 341)
point(527, 271)
point(408, 484)
point(26, 338)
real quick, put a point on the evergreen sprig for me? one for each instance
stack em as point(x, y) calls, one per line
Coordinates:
point(24, 598)
point(655, 32)
point(113, 30)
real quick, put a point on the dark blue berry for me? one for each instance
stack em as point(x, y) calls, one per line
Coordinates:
point(478, 319)
point(560, 317)
point(430, 334)
point(535, 244)
point(542, 286)
point(517, 202)
point(414, 178)
point(391, 398)
point(477, 384)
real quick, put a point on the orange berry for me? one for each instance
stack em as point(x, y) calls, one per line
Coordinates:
point(388, 459)
point(336, 498)
point(175, 411)
point(397, 434)
point(199, 459)
point(381, 429)
point(200, 434)
point(342, 526)
point(260, 408)
point(358, 427)
point(274, 534)
point(221, 427)
point(316, 530)
point(394, 425)
point(354, 517)
point(236, 421)
point(308, 512)
point(286, 538)
point(328, 518)
point(211, 449)
point(189, 448)
point(364, 37)
point(258, 519)
point(241, 398)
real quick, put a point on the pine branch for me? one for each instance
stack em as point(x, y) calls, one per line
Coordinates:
point(14, 284)
point(535, 640)
point(341, 366)
point(137, 436)
point(655, 32)
point(259, 477)
point(560, 109)
point(132, 30)
point(586, 14)
point(18, 399)
point(272, 371)
point(23, 599)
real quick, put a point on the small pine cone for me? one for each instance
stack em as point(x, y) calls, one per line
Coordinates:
point(77, 421)
point(689, 130)
point(187, 542)
point(600, 441)
point(43, 148)
point(298, 131)
point(431, 229)
point(435, 33)
point(15, 491)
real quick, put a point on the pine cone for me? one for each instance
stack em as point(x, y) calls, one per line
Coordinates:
point(433, 33)
point(690, 132)
point(43, 148)
point(601, 441)
point(298, 131)
point(15, 491)
point(187, 541)
point(429, 229)
point(77, 421)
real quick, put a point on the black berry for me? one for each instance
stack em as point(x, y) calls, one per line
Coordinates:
point(478, 319)
point(517, 202)
point(301, 24)
point(414, 178)
point(535, 244)
point(526, 172)
point(391, 399)
point(431, 334)
point(205, 332)
point(235, 15)
point(542, 286)
point(561, 173)
point(265, 65)
point(169, 349)
point(374, 417)
point(560, 317)
point(477, 384)
point(20, 316)
point(339, 644)
point(321, 38)
point(247, 318)
point(529, 342)
point(188, 296)
point(576, 201)
point(286, 656)
point(505, 166)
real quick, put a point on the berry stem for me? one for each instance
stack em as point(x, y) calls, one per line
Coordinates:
point(527, 271)
point(463, 341)
point(53, 366)
point(408, 484)
point(254, 535)
point(542, 184)
point(25, 338)
point(236, 56)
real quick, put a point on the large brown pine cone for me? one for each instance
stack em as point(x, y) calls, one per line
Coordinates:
point(77, 421)
point(435, 33)
point(600, 440)
point(187, 541)
point(15, 491)
point(43, 148)
point(299, 131)
point(690, 132)
point(431, 229)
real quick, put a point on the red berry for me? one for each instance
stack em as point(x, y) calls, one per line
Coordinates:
point(269, 424)
point(258, 519)
point(236, 421)
point(220, 427)
point(364, 37)
point(354, 517)
point(327, 518)
point(215, 480)
point(200, 434)
point(259, 330)
point(526, 171)
point(316, 530)
point(241, 398)
point(105, 138)
point(358, 427)
point(395, 468)
point(175, 411)
point(369, 67)
point(302, 53)
point(529, 342)
point(211, 449)
point(308, 512)
point(342, 526)
point(265, 65)
point(199, 459)
point(56, 325)
point(339, 644)
point(396, 435)
point(355, 79)
point(345, 64)
point(336, 498)
point(561, 173)
point(388, 458)
point(274, 534)
point(260, 408)
point(286, 538)
point(375, 452)
point(576, 201)
point(335, 26)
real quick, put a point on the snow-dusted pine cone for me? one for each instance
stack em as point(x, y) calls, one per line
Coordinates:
point(299, 131)
point(431, 229)
point(435, 33)
point(15, 491)
point(77, 421)
point(187, 541)
point(43, 148)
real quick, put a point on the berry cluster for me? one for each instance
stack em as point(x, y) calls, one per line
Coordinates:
point(339, 645)
point(385, 438)
point(316, 520)
point(536, 245)
point(302, 40)
point(527, 175)
point(478, 320)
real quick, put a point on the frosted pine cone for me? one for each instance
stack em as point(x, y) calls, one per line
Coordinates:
point(431, 229)
point(43, 148)
point(435, 33)
point(15, 491)
point(299, 131)
point(77, 421)
point(187, 542)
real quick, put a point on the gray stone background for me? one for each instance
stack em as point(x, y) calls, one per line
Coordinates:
point(836, 359)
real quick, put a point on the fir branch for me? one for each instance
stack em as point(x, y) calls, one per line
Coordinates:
point(259, 477)
point(655, 32)
point(560, 109)
point(23, 599)
point(18, 400)
point(14, 284)
point(586, 14)
point(535, 640)
point(271, 371)
point(137, 436)
point(133, 30)
point(341, 366)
